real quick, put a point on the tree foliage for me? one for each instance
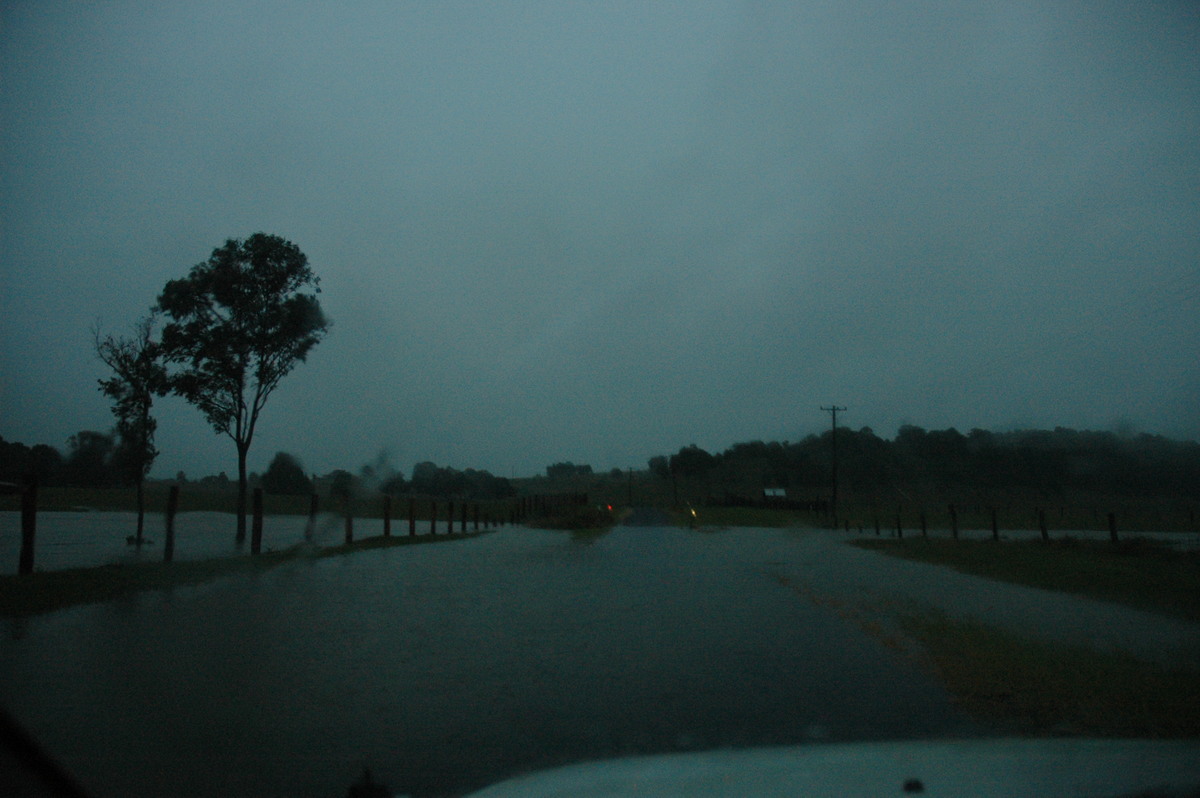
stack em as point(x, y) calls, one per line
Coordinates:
point(429, 479)
point(18, 462)
point(239, 323)
point(568, 470)
point(692, 461)
point(285, 476)
point(394, 484)
point(137, 376)
point(1051, 462)
point(88, 461)
point(342, 485)
point(659, 466)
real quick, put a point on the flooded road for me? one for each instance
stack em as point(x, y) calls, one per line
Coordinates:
point(446, 667)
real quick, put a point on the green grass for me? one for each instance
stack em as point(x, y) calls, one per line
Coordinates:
point(1043, 688)
point(1019, 510)
point(48, 591)
point(1136, 573)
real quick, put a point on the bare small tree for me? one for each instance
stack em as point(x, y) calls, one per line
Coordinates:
point(137, 377)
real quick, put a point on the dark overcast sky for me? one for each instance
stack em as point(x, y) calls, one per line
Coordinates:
point(601, 231)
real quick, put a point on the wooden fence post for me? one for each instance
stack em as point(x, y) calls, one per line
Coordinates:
point(29, 492)
point(172, 506)
point(349, 521)
point(449, 518)
point(1042, 525)
point(462, 526)
point(256, 522)
point(387, 515)
point(433, 517)
point(476, 516)
point(412, 517)
point(954, 522)
point(310, 530)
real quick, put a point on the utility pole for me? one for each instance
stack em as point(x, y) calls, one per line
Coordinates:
point(833, 411)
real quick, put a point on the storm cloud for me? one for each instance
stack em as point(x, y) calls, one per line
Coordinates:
point(598, 232)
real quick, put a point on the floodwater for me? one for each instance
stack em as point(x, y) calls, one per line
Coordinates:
point(67, 539)
point(449, 666)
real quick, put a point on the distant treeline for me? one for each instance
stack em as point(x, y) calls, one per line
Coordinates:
point(430, 479)
point(1047, 462)
point(93, 460)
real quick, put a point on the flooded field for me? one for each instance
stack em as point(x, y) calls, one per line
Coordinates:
point(87, 539)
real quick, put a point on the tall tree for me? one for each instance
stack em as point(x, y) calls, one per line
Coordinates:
point(238, 324)
point(137, 376)
point(285, 476)
point(89, 459)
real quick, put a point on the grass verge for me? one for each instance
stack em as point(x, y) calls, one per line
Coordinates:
point(48, 591)
point(1044, 688)
point(1136, 573)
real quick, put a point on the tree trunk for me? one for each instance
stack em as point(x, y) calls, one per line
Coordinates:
point(241, 498)
point(141, 507)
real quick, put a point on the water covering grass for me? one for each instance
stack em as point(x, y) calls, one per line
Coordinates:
point(41, 592)
point(1137, 573)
